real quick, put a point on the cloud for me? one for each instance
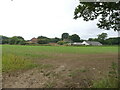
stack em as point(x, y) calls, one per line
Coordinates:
point(51, 18)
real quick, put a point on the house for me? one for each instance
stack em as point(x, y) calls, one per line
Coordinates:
point(67, 40)
point(77, 43)
point(95, 43)
point(33, 40)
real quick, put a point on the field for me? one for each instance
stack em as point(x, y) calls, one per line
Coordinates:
point(55, 66)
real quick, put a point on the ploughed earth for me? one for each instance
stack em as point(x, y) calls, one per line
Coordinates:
point(62, 71)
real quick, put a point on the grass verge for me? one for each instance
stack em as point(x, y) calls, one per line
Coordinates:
point(11, 62)
point(111, 81)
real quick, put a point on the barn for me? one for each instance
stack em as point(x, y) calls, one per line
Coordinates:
point(94, 43)
point(77, 43)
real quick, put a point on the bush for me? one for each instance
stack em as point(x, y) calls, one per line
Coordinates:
point(111, 81)
point(61, 42)
point(43, 41)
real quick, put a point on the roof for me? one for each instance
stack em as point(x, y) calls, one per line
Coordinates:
point(93, 42)
point(77, 43)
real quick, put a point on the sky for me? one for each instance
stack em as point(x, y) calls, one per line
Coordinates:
point(51, 18)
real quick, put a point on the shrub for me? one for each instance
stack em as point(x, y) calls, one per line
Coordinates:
point(111, 81)
point(61, 42)
point(43, 41)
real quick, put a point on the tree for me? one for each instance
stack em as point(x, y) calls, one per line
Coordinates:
point(113, 41)
point(13, 40)
point(17, 40)
point(42, 37)
point(74, 38)
point(65, 36)
point(108, 11)
point(102, 36)
point(61, 42)
point(4, 40)
point(43, 41)
point(19, 37)
point(54, 40)
point(93, 39)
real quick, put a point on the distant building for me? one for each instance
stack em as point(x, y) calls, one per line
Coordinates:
point(67, 40)
point(76, 43)
point(33, 40)
point(95, 43)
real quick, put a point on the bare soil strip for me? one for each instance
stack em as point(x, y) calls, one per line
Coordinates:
point(64, 70)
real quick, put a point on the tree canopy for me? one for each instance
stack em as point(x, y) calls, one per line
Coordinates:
point(102, 36)
point(109, 13)
point(42, 37)
point(74, 38)
point(65, 36)
point(16, 40)
point(4, 40)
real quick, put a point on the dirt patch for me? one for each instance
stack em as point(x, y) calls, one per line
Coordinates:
point(68, 70)
point(29, 79)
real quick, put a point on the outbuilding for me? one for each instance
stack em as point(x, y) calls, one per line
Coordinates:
point(94, 43)
point(77, 43)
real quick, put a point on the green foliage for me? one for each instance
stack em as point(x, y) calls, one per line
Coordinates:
point(74, 38)
point(113, 41)
point(77, 71)
point(61, 42)
point(102, 39)
point(54, 40)
point(13, 40)
point(4, 40)
point(20, 56)
point(46, 40)
point(42, 52)
point(109, 41)
point(43, 41)
point(102, 36)
point(17, 40)
point(49, 85)
point(42, 37)
point(45, 66)
point(16, 57)
point(11, 62)
point(65, 36)
point(114, 70)
point(93, 39)
point(19, 37)
point(111, 81)
point(109, 12)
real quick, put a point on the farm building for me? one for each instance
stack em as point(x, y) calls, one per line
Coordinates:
point(94, 43)
point(76, 43)
point(91, 43)
point(33, 40)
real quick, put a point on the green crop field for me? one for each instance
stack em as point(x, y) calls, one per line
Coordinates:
point(15, 55)
point(75, 59)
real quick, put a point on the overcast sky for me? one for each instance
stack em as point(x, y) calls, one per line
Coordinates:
point(51, 18)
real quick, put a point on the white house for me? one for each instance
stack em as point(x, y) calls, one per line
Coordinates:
point(77, 43)
point(95, 43)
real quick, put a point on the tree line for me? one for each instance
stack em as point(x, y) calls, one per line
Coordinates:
point(65, 38)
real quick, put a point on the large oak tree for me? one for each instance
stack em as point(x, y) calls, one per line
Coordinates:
point(109, 13)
